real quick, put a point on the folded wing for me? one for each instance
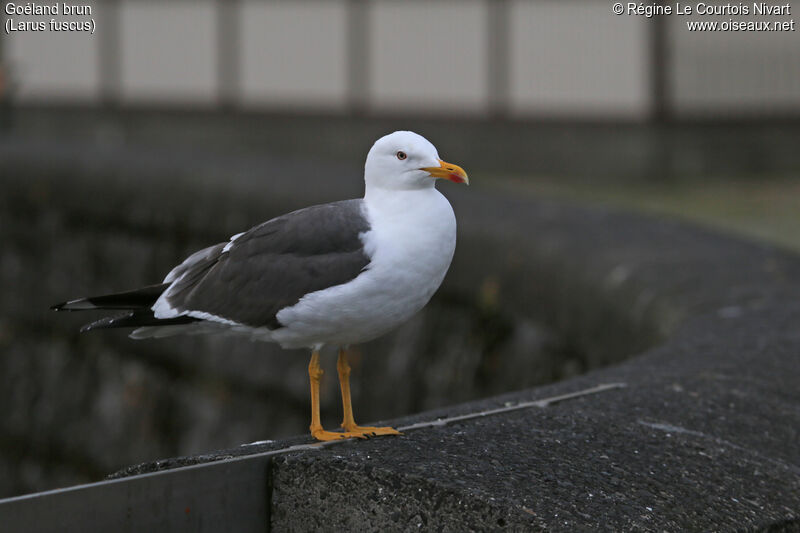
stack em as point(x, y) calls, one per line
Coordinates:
point(249, 279)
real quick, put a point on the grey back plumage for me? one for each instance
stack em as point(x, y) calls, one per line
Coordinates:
point(274, 264)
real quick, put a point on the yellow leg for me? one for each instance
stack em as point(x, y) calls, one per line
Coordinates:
point(348, 422)
point(315, 375)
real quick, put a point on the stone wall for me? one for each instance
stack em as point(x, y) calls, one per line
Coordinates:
point(702, 436)
point(81, 218)
point(598, 151)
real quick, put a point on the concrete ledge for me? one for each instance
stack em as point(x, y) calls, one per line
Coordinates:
point(608, 150)
point(703, 437)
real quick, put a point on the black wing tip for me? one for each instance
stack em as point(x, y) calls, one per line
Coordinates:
point(81, 304)
point(103, 323)
point(136, 319)
point(128, 300)
point(98, 324)
point(114, 321)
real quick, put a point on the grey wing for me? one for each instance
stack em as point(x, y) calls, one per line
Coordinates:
point(273, 265)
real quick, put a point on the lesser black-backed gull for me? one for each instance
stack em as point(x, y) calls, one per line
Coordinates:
point(334, 274)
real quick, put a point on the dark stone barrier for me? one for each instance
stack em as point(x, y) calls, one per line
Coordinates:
point(83, 218)
point(703, 436)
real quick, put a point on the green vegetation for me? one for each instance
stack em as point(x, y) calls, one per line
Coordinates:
point(766, 209)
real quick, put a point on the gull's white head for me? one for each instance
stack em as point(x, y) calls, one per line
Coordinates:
point(404, 160)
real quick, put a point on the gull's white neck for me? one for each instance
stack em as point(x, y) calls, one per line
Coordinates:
point(416, 223)
point(398, 200)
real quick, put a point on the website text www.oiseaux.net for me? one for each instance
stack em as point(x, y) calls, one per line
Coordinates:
point(703, 9)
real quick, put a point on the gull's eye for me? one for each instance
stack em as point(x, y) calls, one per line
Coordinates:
point(401, 155)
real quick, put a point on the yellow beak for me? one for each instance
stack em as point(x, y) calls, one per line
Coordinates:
point(448, 171)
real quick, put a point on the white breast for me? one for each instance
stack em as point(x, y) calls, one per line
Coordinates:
point(411, 243)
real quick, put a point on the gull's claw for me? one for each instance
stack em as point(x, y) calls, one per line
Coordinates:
point(371, 431)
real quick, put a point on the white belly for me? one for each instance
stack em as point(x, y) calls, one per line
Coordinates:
point(410, 247)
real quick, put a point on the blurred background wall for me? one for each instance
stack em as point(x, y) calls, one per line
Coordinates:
point(520, 59)
point(179, 123)
point(558, 88)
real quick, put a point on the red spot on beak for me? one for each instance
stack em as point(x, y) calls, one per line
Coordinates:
point(448, 171)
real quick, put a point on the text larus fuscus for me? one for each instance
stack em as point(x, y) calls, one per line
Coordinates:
point(335, 274)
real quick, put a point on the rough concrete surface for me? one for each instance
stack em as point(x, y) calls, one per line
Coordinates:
point(703, 437)
point(88, 219)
